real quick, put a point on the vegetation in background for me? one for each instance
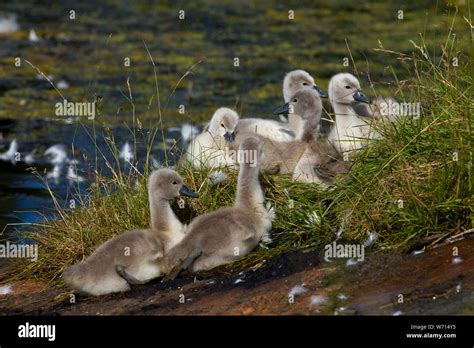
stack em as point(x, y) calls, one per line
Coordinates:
point(424, 163)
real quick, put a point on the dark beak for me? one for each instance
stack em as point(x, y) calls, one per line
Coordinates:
point(322, 94)
point(186, 191)
point(283, 110)
point(361, 97)
point(230, 137)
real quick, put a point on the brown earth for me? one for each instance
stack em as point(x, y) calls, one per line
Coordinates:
point(431, 283)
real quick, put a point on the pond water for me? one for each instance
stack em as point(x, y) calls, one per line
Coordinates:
point(207, 54)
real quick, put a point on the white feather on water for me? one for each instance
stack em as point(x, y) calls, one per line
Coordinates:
point(55, 174)
point(9, 155)
point(29, 158)
point(72, 175)
point(188, 132)
point(9, 24)
point(33, 37)
point(126, 153)
point(57, 154)
point(63, 84)
point(240, 280)
point(397, 313)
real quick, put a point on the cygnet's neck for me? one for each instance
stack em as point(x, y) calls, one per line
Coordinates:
point(162, 216)
point(249, 191)
point(346, 118)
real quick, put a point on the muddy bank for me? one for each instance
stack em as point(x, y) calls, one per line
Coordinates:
point(433, 282)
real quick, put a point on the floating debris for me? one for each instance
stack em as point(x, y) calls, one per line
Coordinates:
point(55, 174)
point(397, 313)
point(63, 84)
point(29, 158)
point(9, 24)
point(44, 77)
point(72, 175)
point(240, 280)
point(32, 37)
point(126, 153)
point(188, 132)
point(11, 152)
point(211, 282)
point(297, 290)
point(57, 154)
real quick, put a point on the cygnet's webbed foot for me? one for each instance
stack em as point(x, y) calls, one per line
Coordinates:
point(129, 278)
point(182, 265)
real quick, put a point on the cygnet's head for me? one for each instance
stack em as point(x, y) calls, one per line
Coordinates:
point(298, 80)
point(223, 124)
point(344, 88)
point(305, 103)
point(167, 184)
point(250, 151)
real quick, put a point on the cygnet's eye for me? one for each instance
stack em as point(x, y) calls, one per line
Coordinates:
point(348, 87)
point(295, 100)
point(222, 125)
point(305, 83)
point(175, 183)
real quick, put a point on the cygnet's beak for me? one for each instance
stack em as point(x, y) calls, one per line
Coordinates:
point(283, 110)
point(361, 97)
point(186, 191)
point(322, 94)
point(229, 137)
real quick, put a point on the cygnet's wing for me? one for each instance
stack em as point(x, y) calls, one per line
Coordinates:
point(287, 132)
point(331, 162)
point(362, 109)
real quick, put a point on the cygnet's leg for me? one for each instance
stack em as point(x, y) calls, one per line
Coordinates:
point(125, 275)
point(182, 265)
